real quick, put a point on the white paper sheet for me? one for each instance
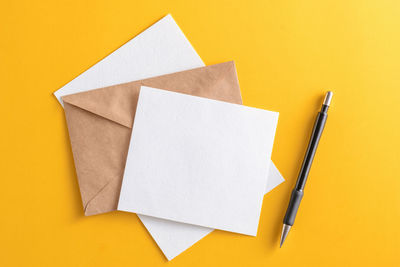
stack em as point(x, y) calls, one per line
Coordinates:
point(159, 50)
point(128, 64)
point(199, 161)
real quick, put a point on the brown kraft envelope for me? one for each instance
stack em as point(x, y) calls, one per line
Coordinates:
point(100, 123)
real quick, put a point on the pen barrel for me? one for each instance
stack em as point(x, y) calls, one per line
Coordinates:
point(294, 204)
point(311, 149)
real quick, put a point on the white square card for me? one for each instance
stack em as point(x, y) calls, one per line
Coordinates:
point(198, 161)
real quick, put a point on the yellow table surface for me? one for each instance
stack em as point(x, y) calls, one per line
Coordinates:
point(288, 53)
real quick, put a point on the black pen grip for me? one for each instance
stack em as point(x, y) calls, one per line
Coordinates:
point(294, 204)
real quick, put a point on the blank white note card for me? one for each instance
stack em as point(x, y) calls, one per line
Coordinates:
point(198, 161)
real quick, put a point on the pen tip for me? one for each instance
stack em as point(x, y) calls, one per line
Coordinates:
point(328, 98)
point(285, 232)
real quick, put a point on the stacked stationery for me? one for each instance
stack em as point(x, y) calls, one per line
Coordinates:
point(155, 132)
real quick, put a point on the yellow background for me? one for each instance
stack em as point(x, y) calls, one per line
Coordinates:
point(288, 53)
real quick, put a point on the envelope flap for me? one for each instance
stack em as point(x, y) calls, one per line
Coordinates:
point(118, 103)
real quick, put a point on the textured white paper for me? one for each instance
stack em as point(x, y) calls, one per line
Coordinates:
point(159, 50)
point(199, 161)
point(173, 238)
